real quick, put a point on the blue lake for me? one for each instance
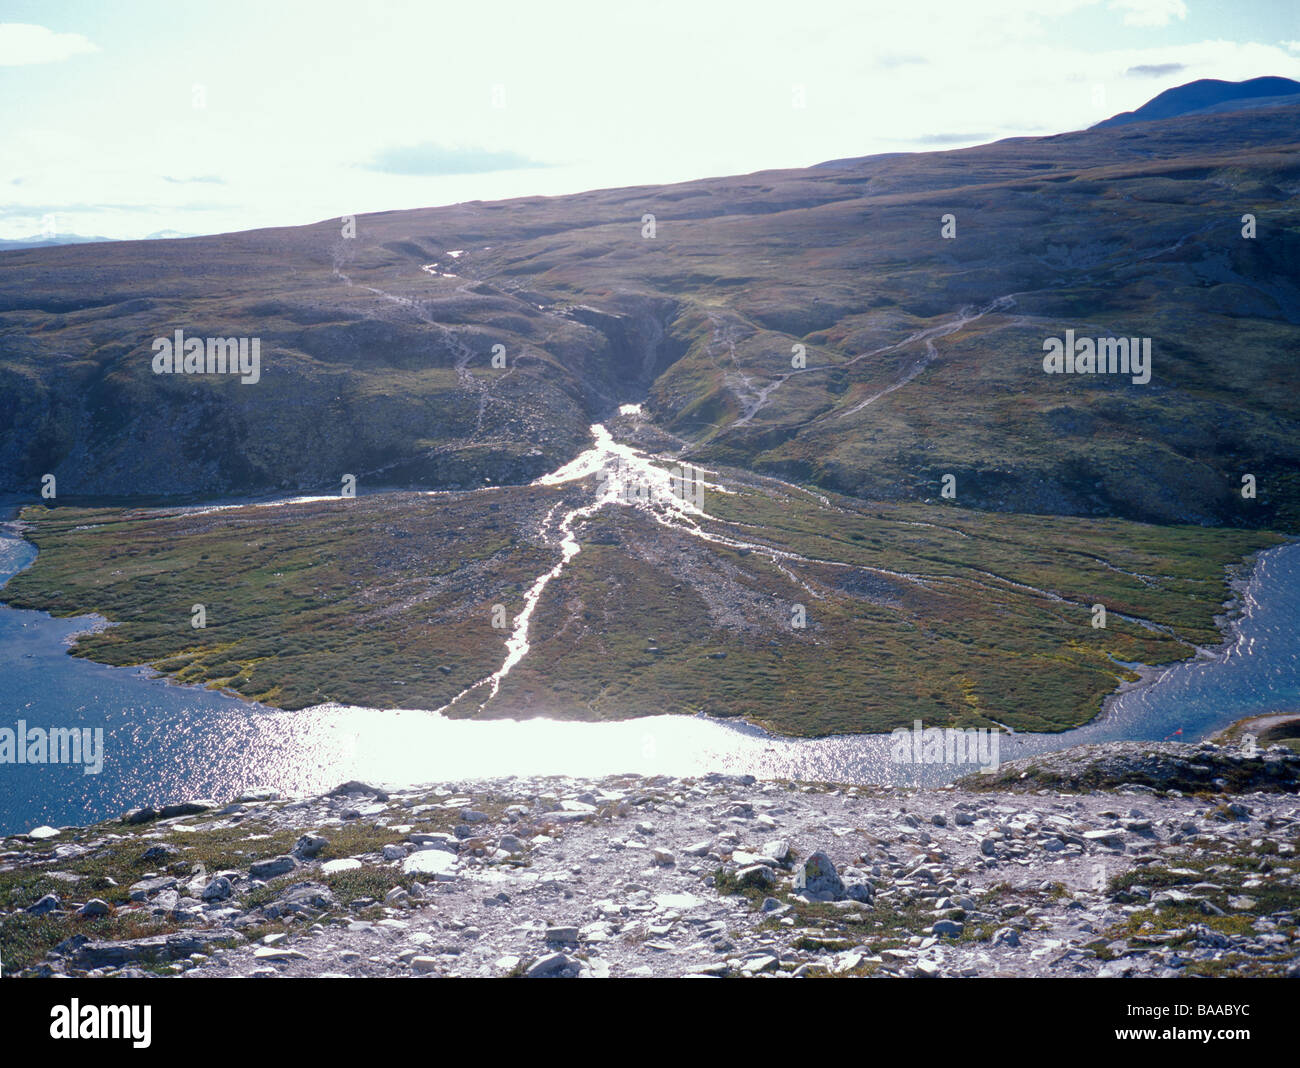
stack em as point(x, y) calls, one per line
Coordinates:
point(164, 742)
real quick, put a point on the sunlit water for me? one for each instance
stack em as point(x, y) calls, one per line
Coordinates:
point(166, 742)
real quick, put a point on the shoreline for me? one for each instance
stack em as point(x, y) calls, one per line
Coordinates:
point(1239, 576)
point(541, 745)
point(1255, 724)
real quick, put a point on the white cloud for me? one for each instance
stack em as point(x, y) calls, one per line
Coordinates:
point(22, 43)
point(578, 98)
point(1149, 12)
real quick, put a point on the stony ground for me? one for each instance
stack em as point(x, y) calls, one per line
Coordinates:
point(718, 876)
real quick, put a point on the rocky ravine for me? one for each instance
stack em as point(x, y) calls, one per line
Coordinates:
point(717, 876)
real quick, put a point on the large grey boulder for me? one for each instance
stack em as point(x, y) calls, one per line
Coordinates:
point(155, 948)
point(310, 845)
point(218, 889)
point(353, 788)
point(552, 966)
point(817, 879)
point(269, 869)
point(147, 888)
point(49, 903)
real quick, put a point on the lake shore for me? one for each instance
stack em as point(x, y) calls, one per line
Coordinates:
point(165, 737)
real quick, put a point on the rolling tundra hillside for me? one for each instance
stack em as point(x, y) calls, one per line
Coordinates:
point(783, 447)
point(866, 326)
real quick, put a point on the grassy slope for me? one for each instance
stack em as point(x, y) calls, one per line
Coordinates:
point(1134, 231)
point(365, 601)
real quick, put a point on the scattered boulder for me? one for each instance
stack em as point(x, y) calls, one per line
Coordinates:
point(429, 862)
point(310, 845)
point(43, 833)
point(858, 891)
point(269, 869)
point(218, 889)
point(817, 879)
point(778, 850)
point(156, 948)
point(156, 854)
point(436, 840)
point(49, 903)
point(552, 966)
point(186, 808)
point(352, 788)
point(301, 899)
point(147, 888)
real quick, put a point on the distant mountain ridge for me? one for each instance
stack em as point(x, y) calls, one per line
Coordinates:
point(37, 241)
point(1209, 96)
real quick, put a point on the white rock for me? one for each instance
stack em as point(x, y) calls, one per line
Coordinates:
point(429, 862)
point(678, 901)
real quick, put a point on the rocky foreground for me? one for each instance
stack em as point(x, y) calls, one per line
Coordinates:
point(1115, 860)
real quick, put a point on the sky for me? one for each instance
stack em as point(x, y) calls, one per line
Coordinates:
point(133, 118)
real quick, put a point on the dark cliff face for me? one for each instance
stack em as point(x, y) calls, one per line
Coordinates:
point(386, 357)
